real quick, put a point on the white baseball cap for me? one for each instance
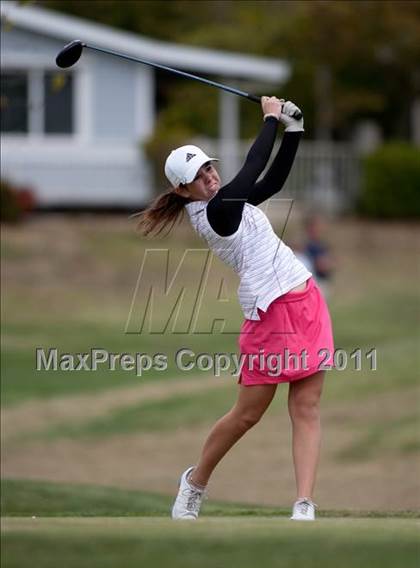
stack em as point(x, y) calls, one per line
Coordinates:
point(182, 164)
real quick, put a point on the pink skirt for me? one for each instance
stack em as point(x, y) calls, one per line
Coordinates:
point(292, 340)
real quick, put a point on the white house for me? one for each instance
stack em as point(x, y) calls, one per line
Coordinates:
point(75, 136)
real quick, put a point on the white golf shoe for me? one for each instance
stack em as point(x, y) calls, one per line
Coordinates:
point(188, 501)
point(303, 510)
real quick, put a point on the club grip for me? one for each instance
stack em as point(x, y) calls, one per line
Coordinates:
point(297, 115)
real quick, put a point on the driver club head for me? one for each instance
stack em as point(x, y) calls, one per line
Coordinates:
point(70, 54)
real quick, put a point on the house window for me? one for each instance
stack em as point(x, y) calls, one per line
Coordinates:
point(14, 102)
point(37, 102)
point(58, 97)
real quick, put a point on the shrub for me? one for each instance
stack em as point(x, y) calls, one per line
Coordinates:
point(16, 202)
point(391, 182)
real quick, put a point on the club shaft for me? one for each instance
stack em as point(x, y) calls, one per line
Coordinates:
point(177, 72)
point(253, 98)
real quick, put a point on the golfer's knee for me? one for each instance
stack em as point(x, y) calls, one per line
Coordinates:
point(248, 419)
point(304, 409)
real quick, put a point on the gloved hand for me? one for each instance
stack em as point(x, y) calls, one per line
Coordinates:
point(291, 124)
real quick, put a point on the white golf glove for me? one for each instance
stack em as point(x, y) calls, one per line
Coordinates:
point(291, 124)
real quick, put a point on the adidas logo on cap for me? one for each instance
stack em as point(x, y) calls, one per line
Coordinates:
point(190, 157)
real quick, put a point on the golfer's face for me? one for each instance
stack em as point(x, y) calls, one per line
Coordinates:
point(205, 185)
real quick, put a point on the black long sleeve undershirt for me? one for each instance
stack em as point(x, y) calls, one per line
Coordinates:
point(224, 211)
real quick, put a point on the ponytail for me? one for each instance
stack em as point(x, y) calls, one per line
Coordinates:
point(166, 208)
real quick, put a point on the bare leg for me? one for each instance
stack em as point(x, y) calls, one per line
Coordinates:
point(251, 404)
point(304, 398)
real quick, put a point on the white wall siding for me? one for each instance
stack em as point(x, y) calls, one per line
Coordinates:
point(64, 175)
point(113, 98)
point(145, 117)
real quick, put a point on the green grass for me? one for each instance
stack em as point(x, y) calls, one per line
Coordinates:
point(66, 301)
point(397, 354)
point(373, 318)
point(210, 543)
point(27, 498)
point(21, 381)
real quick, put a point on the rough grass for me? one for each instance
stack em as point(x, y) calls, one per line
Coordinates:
point(364, 326)
point(69, 282)
point(75, 293)
point(22, 382)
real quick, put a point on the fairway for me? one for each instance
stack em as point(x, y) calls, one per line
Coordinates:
point(211, 542)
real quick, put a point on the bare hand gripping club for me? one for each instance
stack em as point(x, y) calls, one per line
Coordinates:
point(71, 53)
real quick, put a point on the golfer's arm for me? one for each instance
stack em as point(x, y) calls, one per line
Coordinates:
point(276, 176)
point(224, 211)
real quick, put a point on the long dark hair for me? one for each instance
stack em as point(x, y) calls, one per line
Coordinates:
point(167, 208)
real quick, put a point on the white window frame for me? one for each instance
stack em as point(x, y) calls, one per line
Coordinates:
point(35, 67)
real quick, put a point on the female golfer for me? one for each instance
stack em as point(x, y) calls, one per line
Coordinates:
point(285, 313)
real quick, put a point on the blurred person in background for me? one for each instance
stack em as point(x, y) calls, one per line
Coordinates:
point(283, 306)
point(317, 252)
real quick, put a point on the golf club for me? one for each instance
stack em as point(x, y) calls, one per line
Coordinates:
point(71, 53)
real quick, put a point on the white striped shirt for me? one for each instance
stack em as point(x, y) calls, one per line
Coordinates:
point(266, 266)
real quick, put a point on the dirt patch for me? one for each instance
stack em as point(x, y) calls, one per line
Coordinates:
point(33, 416)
